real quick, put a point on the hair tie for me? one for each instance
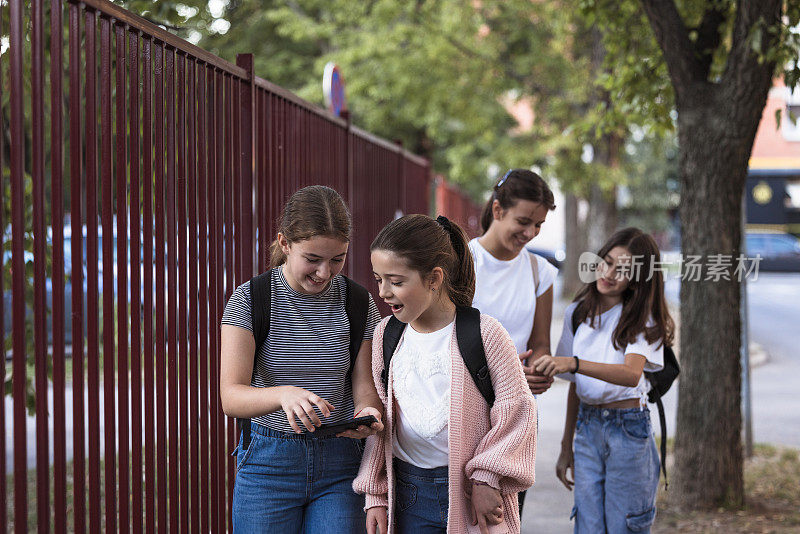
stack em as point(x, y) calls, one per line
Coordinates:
point(456, 243)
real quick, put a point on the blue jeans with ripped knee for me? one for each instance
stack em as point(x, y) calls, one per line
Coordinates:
point(616, 471)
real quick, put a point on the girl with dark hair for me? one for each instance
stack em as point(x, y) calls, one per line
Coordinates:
point(447, 461)
point(299, 375)
point(623, 325)
point(515, 286)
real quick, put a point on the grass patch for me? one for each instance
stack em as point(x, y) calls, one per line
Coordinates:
point(772, 497)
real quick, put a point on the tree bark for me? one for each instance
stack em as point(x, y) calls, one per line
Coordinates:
point(717, 122)
point(575, 240)
point(716, 136)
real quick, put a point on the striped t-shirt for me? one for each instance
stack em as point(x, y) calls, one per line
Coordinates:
point(308, 345)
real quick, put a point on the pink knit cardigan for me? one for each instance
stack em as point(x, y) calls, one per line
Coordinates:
point(496, 446)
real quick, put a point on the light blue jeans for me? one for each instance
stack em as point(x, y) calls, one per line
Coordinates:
point(295, 483)
point(616, 471)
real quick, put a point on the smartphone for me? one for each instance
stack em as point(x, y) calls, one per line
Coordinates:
point(335, 428)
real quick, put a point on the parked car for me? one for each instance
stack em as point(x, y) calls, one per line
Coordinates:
point(67, 244)
point(779, 251)
point(556, 257)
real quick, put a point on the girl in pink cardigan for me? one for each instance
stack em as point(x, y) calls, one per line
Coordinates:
point(446, 461)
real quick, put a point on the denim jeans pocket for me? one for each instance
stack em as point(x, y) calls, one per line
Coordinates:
point(641, 521)
point(638, 428)
point(243, 454)
point(406, 495)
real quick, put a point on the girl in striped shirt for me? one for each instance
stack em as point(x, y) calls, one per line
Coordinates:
point(287, 479)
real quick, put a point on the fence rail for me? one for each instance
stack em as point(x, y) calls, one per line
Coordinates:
point(145, 178)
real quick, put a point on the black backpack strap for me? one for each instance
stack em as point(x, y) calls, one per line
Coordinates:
point(575, 323)
point(260, 306)
point(470, 344)
point(662, 418)
point(357, 308)
point(391, 337)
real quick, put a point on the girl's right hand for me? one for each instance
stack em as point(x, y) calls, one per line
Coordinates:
point(299, 403)
point(377, 520)
point(566, 461)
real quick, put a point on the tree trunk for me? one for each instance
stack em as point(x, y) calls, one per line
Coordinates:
point(716, 135)
point(575, 244)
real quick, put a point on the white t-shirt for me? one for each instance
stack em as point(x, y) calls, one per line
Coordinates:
point(421, 385)
point(504, 289)
point(596, 345)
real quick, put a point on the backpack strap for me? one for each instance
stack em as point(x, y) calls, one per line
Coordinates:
point(470, 344)
point(662, 419)
point(357, 307)
point(260, 307)
point(535, 269)
point(391, 338)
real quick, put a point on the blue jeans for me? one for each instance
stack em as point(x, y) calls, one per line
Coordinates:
point(616, 471)
point(421, 499)
point(295, 483)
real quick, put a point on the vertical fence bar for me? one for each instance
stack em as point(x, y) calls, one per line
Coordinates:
point(217, 422)
point(148, 290)
point(161, 402)
point(108, 272)
point(76, 272)
point(232, 230)
point(193, 165)
point(247, 111)
point(3, 444)
point(136, 292)
point(262, 177)
point(39, 261)
point(172, 320)
point(123, 239)
point(182, 296)
point(213, 263)
point(57, 188)
point(92, 299)
point(18, 267)
point(205, 79)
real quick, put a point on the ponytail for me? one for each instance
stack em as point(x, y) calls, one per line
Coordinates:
point(517, 184)
point(426, 243)
point(462, 280)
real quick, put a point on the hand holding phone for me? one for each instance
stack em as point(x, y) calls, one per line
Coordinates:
point(337, 428)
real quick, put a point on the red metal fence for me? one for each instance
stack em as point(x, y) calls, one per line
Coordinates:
point(455, 204)
point(188, 160)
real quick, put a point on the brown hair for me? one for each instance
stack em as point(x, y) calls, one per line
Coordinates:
point(311, 211)
point(427, 243)
point(517, 184)
point(642, 300)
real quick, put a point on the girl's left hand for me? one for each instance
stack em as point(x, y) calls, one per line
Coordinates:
point(364, 431)
point(486, 505)
point(554, 365)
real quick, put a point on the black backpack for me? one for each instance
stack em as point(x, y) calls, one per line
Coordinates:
point(356, 306)
point(470, 344)
point(660, 382)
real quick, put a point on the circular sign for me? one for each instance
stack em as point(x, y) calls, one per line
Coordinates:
point(333, 89)
point(762, 193)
